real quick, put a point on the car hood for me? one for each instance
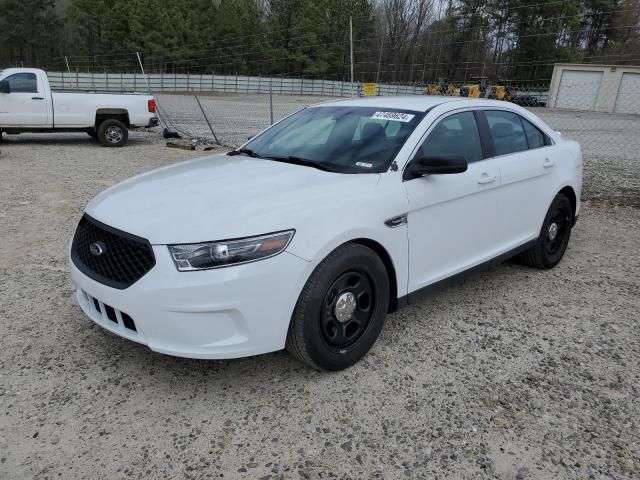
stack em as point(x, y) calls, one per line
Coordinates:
point(223, 197)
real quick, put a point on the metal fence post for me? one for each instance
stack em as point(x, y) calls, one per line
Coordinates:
point(206, 119)
point(271, 102)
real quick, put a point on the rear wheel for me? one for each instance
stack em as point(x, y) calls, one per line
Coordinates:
point(554, 235)
point(112, 133)
point(341, 309)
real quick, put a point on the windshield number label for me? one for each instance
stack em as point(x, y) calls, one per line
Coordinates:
point(395, 116)
point(363, 164)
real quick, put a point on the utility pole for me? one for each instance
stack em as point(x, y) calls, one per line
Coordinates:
point(351, 48)
point(379, 60)
point(143, 74)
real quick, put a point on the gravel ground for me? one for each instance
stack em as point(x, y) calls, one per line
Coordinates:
point(514, 373)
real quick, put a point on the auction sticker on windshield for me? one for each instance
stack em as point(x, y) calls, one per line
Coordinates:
point(397, 116)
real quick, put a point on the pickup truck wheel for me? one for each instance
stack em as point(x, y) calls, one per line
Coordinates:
point(92, 133)
point(341, 310)
point(554, 236)
point(113, 133)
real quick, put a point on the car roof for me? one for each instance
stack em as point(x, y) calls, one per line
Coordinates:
point(419, 103)
point(9, 71)
point(425, 103)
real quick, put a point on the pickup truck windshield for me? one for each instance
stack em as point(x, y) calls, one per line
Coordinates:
point(337, 139)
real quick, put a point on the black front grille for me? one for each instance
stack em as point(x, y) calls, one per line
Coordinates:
point(118, 259)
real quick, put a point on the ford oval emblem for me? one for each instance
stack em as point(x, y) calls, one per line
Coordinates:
point(97, 248)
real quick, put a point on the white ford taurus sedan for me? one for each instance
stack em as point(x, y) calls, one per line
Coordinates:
point(315, 229)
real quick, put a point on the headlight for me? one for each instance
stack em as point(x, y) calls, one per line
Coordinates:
point(200, 256)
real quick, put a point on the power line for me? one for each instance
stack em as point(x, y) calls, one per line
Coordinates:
point(340, 30)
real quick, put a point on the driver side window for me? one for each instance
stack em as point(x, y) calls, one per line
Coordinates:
point(456, 134)
point(23, 83)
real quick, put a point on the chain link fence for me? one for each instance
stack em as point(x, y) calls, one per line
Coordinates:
point(603, 116)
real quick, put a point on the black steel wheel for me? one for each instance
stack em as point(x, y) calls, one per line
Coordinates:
point(554, 235)
point(347, 309)
point(341, 310)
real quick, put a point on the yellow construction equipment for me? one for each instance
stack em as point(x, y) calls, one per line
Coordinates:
point(441, 87)
point(433, 89)
point(475, 89)
point(502, 92)
point(451, 90)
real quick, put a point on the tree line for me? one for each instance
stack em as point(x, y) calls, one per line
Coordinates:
point(409, 41)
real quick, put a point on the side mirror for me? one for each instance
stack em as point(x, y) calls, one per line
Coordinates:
point(436, 165)
point(5, 87)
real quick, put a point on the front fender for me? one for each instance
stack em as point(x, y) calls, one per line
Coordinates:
point(393, 241)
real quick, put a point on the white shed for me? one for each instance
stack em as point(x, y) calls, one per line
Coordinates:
point(600, 88)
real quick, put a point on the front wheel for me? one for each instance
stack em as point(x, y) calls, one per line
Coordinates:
point(341, 310)
point(113, 133)
point(554, 235)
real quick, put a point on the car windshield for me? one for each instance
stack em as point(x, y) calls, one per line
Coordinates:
point(338, 139)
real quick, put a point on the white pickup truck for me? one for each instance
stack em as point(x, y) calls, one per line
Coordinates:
point(27, 104)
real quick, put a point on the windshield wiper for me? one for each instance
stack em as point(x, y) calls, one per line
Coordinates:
point(244, 151)
point(302, 161)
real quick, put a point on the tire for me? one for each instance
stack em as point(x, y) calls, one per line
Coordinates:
point(92, 133)
point(552, 241)
point(322, 332)
point(113, 133)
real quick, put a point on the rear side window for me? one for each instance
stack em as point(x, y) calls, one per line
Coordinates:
point(507, 132)
point(455, 135)
point(535, 137)
point(23, 83)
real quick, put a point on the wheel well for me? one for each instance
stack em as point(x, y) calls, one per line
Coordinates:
point(115, 113)
point(571, 195)
point(391, 271)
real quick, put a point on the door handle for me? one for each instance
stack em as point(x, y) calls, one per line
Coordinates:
point(37, 98)
point(485, 178)
point(548, 163)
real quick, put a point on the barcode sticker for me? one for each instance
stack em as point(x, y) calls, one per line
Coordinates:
point(396, 116)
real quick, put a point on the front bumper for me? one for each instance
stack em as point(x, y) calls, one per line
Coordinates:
point(227, 312)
